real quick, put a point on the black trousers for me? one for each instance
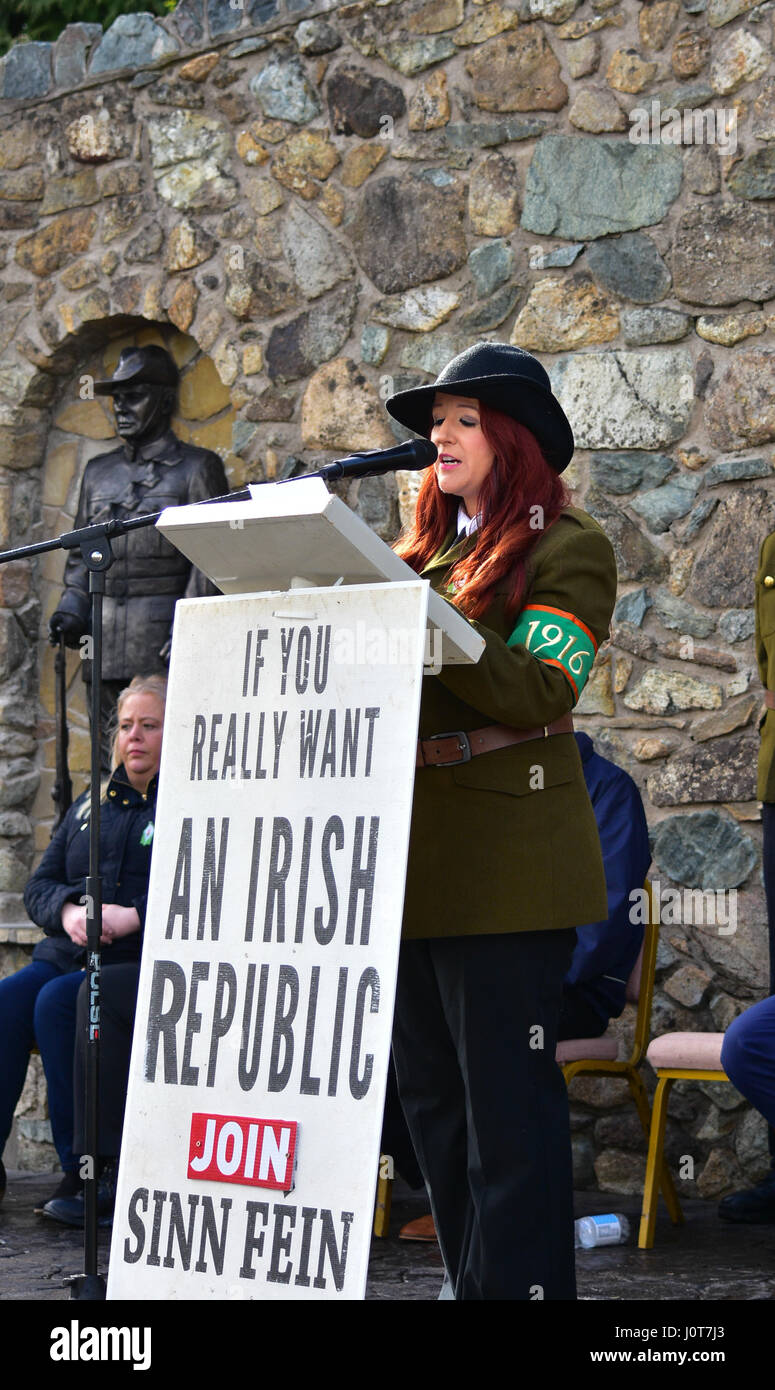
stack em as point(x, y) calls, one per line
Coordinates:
point(396, 1139)
point(118, 1001)
point(577, 1017)
point(768, 867)
point(474, 1039)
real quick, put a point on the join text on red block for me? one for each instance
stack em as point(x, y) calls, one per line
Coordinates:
point(234, 1148)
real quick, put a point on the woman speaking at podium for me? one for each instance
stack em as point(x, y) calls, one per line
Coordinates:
point(504, 858)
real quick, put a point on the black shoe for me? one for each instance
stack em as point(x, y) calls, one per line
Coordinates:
point(2, 1180)
point(70, 1185)
point(71, 1211)
point(753, 1206)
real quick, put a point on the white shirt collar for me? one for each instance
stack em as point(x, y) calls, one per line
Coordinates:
point(466, 523)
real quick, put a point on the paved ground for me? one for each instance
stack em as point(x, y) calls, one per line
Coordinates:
point(705, 1260)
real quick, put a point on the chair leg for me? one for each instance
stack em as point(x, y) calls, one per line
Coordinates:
point(638, 1092)
point(670, 1195)
point(640, 1097)
point(384, 1197)
point(654, 1163)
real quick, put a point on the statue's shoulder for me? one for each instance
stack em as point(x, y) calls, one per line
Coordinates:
point(202, 464)
point(105, 463)
point(205, 457)
point(177, 450)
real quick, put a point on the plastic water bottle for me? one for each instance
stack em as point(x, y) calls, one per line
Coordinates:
point(611, 1229)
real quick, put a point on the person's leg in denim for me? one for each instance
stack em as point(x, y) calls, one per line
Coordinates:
point(18, 995)
point(55, 1011)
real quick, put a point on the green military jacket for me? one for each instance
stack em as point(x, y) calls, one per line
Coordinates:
point(765, 657)
point(508, 841)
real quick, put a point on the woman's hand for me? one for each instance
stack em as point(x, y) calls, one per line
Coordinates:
point(74, 922)
point(116, 922)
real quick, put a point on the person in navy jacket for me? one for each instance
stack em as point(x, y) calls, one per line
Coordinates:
point(37, 1004)
point(605, 952)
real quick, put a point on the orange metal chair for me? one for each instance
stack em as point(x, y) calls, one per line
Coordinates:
point(674, 1057)
point(384, 1196)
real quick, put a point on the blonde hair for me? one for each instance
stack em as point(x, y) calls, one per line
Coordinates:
point(139, 685)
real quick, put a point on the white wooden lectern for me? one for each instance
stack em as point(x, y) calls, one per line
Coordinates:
point(262, 1034)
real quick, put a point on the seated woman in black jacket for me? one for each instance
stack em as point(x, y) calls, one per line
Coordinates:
point(55, 898)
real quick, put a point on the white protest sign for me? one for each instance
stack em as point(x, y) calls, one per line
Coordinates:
point(254, 1110)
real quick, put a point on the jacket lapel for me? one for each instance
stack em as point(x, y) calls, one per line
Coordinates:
point(450, 551)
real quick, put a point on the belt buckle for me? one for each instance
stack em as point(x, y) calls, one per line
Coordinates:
point(463, 743)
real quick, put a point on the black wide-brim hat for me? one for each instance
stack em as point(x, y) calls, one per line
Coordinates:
point(145, 366)
point(507, 379)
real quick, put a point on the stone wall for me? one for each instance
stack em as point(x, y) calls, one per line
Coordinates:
point(319, 204)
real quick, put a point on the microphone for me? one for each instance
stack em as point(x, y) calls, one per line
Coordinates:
point(413, 453)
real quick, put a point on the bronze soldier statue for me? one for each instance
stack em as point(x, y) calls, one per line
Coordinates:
point(150, 469)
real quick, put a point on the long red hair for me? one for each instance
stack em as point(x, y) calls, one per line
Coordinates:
point(521, 497)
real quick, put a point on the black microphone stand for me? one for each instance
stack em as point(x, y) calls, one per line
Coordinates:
point(98, 557)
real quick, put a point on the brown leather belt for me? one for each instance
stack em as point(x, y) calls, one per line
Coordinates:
point(445, 750)
point(769, 699)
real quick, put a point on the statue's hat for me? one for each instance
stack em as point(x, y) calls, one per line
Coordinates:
point(140, 366)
